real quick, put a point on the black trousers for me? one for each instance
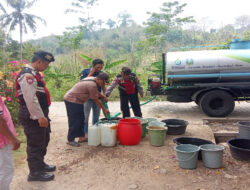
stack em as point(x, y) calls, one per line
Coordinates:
point(37, 140)
point(134, 102)
point(75, 115)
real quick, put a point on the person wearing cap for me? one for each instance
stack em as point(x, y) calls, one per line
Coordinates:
point(97, 65)
point(74, 99)
point(129, 87)
point(33, 114)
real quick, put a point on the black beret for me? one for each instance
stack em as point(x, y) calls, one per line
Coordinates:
point(45, 56)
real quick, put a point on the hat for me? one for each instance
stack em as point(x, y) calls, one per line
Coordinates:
point(45, 56)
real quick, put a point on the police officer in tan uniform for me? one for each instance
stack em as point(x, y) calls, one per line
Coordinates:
point(33, 114)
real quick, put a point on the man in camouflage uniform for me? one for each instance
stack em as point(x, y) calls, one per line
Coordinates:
point(33, 114)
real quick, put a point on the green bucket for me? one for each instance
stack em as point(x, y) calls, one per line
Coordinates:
point(157, 135)
point(212, 155)
point(144, 124)
point(187, 155)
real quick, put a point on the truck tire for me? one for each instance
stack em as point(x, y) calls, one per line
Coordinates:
point(217, 103)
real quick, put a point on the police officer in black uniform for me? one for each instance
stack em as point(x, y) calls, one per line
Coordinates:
point(33, 114)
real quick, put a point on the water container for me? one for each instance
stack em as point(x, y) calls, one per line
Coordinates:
point(244, 129)
point(156, 124)
point(157, 135)
point(212, 155)
point(94, 135)
point(108, 134)
point(187, 155)
point(129, 131)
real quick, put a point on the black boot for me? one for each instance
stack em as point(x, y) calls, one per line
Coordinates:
point(40, 176)
point(49, 168)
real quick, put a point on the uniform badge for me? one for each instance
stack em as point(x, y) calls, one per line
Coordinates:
point(48, 57)
point(30, 79)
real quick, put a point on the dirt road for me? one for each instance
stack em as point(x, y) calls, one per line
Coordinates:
point(136, 167)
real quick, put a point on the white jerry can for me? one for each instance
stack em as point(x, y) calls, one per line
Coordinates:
point(108, 134)
point(94, 135)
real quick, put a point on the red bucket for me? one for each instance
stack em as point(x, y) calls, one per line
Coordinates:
point(129, 131)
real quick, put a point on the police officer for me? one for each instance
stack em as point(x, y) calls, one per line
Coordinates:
point(33, 113)
point(129, 87)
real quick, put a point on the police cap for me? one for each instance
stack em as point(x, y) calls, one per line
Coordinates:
point(45, 56)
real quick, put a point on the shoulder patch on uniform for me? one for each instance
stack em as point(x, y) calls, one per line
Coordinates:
point(29, 79)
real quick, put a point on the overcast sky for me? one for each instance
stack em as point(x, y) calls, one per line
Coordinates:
point(221, 12)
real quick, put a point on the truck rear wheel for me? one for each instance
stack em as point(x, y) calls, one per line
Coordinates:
point(217, 103)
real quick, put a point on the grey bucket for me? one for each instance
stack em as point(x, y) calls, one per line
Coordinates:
point(187, 155)
point(244, 129)
point(212, 155)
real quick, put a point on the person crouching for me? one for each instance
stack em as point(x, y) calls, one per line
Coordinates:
point(81, 92)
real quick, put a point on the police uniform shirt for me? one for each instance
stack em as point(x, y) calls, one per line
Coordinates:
point(28, 85)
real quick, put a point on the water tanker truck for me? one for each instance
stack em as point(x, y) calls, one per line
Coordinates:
point(213, 79)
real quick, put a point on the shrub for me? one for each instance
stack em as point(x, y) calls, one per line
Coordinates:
point(7, 83)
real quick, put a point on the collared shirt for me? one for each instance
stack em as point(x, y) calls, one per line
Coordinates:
point(28, 85)
point(82, 91)
point(85, 73)
point(5, 114)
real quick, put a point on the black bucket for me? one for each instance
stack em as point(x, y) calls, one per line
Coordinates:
point(193, 141)
point(113, 119)
point(240, 149)
point(175, 126)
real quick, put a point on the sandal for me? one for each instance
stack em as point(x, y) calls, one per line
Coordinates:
point(73, 143)
point(82, 141)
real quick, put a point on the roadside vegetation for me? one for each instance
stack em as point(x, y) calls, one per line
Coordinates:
point(118, 42)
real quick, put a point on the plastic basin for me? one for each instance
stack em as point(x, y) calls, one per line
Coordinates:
point(240, 149)
point(175, 126)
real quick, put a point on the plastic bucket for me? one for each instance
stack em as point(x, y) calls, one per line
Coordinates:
point(144, 124)
point(244, 129)
point(176, 126)
point(129, 131)
point(113, 120)
point(212, 155)
point(157, 135)
point(150, 119)
point(187, 155)
point(193, 141)
point(240, 149)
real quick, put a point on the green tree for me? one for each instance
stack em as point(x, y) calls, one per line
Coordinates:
point(110, 23)
point(159, 24)
point(81, 8)
point(72, 39)
point(125, 18)
point(20, 18)
point(28, 50)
